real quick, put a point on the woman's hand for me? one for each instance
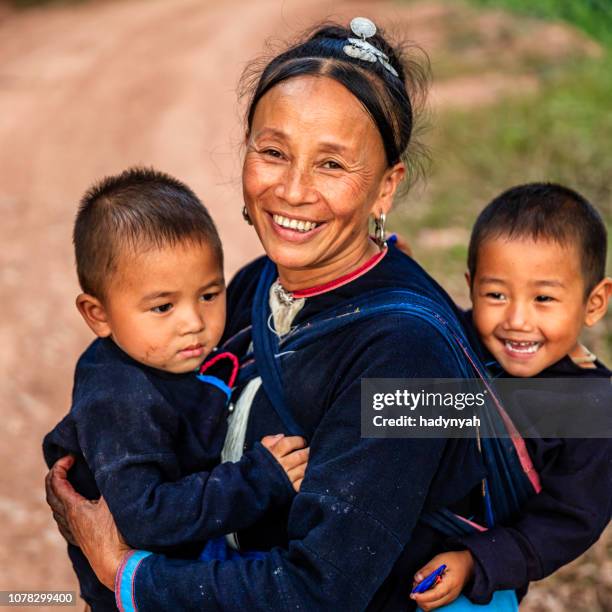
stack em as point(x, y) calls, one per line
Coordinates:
point(459, 569)
point(85, 523)
point(292, 453)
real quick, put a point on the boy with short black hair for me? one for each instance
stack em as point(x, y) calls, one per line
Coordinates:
point(536, 272)
point(146, 431)
point(540, 244)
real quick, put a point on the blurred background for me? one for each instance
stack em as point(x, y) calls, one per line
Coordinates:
point(522, 91)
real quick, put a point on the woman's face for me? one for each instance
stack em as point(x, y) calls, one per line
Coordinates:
point(314, 171)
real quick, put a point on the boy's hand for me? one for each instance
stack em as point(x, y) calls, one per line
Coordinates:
point(459, 568)
point(292, 453)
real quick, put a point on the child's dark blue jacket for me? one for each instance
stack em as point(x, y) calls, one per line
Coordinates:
point(149, 442)
point(564, 519)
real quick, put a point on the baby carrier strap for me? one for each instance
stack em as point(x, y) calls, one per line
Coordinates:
point(266, 348)
point(512, 478)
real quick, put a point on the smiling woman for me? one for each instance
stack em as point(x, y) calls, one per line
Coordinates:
point(314, 156)
point(328, 129)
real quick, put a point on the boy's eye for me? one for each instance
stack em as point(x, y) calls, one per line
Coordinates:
point(208, 297)
point(542, 299)
point(495, 295)
point(161, 309)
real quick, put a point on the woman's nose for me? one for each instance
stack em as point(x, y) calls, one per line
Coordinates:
point(296, 186)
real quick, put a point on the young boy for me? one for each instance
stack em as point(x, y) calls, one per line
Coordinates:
point(536, 273)
point(146, 432)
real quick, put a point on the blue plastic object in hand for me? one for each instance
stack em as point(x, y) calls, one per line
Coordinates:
point(430, 581)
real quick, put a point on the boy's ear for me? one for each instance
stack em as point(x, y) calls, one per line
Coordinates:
point(468, 280)
point(94, 314)
point(597, 302)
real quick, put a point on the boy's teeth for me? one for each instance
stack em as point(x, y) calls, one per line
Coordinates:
point(294, 224)
point(522, 347)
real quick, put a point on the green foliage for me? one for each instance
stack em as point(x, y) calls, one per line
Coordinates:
point(561, 134)
point(592, 16)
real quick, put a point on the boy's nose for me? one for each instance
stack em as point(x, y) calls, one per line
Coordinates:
point(517, 318)
point(192, 321)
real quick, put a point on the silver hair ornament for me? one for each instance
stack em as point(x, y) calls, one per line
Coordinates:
point(360, 48)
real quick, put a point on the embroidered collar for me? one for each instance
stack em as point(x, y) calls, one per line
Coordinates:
point(287, 297)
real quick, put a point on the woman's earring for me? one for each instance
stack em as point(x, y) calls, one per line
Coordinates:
point(379, 230)
point(245, 215)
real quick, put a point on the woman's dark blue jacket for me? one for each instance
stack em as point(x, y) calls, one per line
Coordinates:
point(351, 539)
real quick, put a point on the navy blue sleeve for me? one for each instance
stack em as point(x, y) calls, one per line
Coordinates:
point(128, 441)
point(355, 512)
point(554, 527)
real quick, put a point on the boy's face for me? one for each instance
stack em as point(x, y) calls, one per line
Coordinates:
point(166, 307)
point(528, 303)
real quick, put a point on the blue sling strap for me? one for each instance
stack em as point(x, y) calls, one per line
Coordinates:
point(266, 347)
point(511, 480)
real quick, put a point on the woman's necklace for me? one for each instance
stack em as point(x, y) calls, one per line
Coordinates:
point(284, 297)
point(285, 304)
point(287, 296)
point(284, 308)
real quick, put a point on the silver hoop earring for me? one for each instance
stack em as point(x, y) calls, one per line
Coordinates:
point(379, 230)
point(245, 215)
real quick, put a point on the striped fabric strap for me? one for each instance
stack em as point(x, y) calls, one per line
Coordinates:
point(124, 580)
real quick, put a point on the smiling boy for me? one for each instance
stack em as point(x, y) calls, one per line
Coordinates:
point(145, 430)
point(536, 272)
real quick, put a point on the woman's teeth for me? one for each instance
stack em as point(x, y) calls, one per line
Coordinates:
point(294, 224)
point(522, 347)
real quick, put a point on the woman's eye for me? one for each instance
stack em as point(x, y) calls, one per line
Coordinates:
point(542, 299)
point(330, 164)
point(495, 295)
point(273, 153)
point(161, 309)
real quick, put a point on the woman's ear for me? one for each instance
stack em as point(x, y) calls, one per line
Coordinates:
point(93, 312)
point(597, 302)
point(391, 179)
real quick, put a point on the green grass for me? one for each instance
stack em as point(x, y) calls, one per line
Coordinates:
point(561, 134)
point(592, 16)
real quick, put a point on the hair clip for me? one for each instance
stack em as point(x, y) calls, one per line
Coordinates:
point(360, 48)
